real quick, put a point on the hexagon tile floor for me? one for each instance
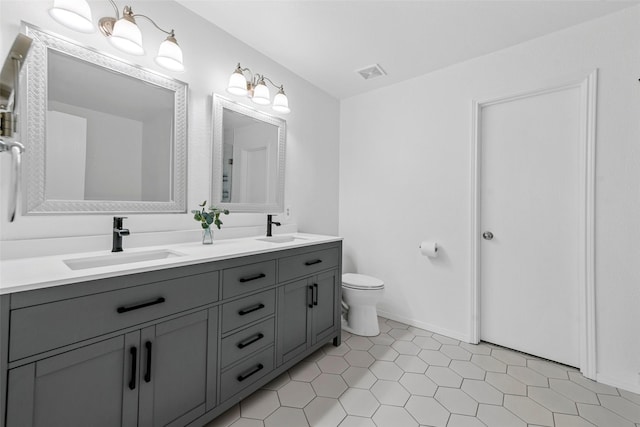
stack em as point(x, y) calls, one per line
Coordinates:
point(411, 377)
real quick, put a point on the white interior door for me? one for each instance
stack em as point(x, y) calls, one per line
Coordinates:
point(530, 203)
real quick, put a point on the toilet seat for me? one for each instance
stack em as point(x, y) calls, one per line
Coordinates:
point(361, 282)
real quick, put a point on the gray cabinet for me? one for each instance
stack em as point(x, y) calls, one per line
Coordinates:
point(308, 314)
point(171, 347)
point(326, 306)
point(294, 326)
point(130, 380)
point(89, 386)
point(174, 356)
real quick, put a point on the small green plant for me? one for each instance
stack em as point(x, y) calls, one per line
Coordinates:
point(212, 216)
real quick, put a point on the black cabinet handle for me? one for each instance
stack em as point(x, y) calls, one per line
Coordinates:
point(147, 375)
point(311, 293)
point(251, 340)
point(254, 277)
point(315, 298)
point(124, 309)
point(246, 375)
point(315, 261)
point(134, 359)
point(251, 309)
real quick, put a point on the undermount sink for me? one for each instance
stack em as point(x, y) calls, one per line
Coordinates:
point(119, 258)
point(279, 239)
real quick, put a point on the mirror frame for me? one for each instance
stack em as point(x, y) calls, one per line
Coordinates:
point(219, 104)
point(34, 109)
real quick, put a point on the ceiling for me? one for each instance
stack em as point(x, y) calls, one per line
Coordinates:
point(326, 41)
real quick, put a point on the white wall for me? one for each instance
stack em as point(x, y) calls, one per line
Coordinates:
point(210, 57)
point(404, 177)
point(66, 144)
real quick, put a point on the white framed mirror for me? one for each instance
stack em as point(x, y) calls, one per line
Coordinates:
point(102, 135)
point(248, 158)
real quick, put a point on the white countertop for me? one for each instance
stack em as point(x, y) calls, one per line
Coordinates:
point(27, 274)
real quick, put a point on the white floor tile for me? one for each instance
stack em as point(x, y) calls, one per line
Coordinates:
point(407, 376)
point(528, 410)
point(286, 417)
point(427, 411)
point(390, 393)
point(456, 401)
point(329, 385)
point(324, 412)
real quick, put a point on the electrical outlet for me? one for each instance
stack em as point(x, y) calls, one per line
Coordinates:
point(287, 212)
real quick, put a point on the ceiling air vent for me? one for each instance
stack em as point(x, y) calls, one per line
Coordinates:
point(372, 71)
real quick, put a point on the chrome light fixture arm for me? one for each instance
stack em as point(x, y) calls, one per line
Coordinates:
point(115, 7)
point(170, 33)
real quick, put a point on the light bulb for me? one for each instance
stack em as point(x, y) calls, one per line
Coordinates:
point(281, 102)
point(75, 14)
point(261, 94)
point(170, 55)
point(237, 83)
point(126, 36)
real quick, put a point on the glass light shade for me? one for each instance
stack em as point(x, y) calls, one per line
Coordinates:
point(261, 94)
point(237, 84)
point(170, 55)
point(75, 14)
point(281, 103)
point(127, 37)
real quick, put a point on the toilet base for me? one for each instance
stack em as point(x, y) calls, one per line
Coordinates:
point(362, 321)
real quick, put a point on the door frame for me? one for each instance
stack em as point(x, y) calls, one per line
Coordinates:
point(586, 276)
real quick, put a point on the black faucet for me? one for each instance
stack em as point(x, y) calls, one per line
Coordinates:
point(270, 222)
point(118, 232)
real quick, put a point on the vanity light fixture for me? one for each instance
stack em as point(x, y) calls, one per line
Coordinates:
point(256, 88)
point(122, 32)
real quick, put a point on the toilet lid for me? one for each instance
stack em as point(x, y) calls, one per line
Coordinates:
point(360, 281)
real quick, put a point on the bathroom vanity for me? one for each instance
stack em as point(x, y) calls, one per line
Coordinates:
point(170, 342)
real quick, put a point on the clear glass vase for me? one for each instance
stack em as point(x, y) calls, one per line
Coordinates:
point(207, 236)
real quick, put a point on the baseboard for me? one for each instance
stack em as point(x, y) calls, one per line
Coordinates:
point(423, 325)
point(618, 383)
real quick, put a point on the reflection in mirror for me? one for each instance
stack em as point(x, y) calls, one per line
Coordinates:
point(103, 135)
point(113, 150)
point(248, 158)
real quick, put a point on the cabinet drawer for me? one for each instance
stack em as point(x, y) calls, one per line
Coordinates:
point(247, 278)
point(246, 373)
point(307, 263)
point(47, 326)
point(247, 341)
point(248, 309)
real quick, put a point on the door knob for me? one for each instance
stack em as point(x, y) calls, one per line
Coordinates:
point(487, 235)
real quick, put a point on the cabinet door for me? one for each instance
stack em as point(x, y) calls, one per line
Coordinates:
point(173, 376)
point(96, 386)
point(325, 300)
point(294, 327)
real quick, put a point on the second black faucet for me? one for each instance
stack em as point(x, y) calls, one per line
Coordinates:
point(270, 222)
point(118, 232)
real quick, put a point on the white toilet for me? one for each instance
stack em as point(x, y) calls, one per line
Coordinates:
point(360, 294)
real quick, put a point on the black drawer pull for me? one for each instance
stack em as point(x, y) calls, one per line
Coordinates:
point(147, 376)
point(124, 309)
point(251, 309)
point(250, 340)
point(254, 277)
point(134, 359)
point(315, 298)
point(315, 261)
point(311, 293)
point(246, 375)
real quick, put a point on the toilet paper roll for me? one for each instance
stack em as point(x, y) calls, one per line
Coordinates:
point(429, 248)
